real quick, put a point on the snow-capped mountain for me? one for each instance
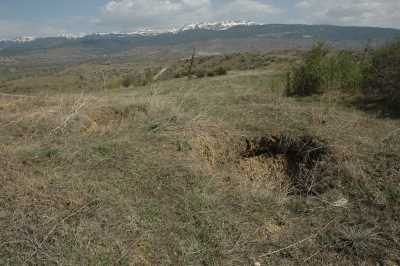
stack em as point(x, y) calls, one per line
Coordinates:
point(71, 36)
point(141, 32)
point(151, 32)
point(233, 34)
point(224, 25)
point(213, 26)
point(23, 39)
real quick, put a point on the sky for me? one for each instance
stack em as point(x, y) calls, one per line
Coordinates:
point(54, 17)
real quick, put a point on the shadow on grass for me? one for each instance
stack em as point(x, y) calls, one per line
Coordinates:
point(304, 156)
point(380, 107)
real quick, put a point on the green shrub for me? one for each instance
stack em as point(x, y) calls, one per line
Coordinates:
point(302, 81)
point(382, 75)
point(323, 70)
point(307, 78)
point(343, 71)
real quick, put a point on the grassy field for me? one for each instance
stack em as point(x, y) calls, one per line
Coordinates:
point(212, 171)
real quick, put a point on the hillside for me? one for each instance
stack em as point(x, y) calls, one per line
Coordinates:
point(204, 171)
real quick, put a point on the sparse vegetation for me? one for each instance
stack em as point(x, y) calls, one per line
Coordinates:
point(219, 65)
point(138, 79)
point(375, 74)
point(218, 171)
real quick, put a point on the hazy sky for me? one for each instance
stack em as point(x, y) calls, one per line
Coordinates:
point(53, 17)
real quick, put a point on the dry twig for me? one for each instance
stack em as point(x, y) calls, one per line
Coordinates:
point(53, 229)
point(80, 104)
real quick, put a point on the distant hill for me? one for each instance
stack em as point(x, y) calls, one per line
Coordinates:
point(213, 38)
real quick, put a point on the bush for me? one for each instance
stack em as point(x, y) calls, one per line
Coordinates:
point(307, 79)
point(324, 70)
point(221, 71)
point(126, 82)
point(179, 75)
point(210, 74)
point(200, 73)
point(382, 75)
point(302, 81)
point(344, 72)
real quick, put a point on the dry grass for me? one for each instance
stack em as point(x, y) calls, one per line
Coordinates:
point(156, 176)
point(217, 152)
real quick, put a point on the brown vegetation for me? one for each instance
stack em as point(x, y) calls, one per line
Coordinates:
point(221, 171)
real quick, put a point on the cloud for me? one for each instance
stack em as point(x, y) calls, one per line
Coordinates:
point(126, 15)
point(248, 9)
point(166, 13)
point(12, 29)
point(383, 13)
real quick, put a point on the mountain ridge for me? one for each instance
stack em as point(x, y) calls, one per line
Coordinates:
point(216, 37)
point(215, 25)
point(211, 26)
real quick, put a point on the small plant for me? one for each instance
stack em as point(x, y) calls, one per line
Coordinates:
point(356, 241)
point(392, 194)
